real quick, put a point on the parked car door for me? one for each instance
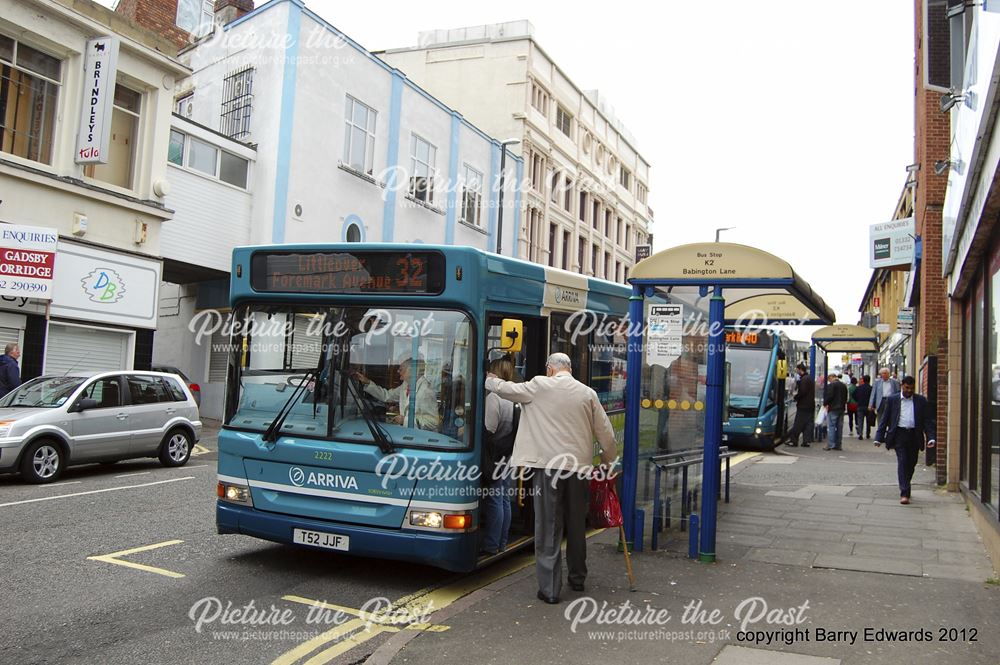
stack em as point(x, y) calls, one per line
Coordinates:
point(104, 431)
point(148, 411)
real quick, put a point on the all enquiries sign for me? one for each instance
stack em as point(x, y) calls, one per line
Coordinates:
point(891, 243)
point(27, 261)
point(100, 67)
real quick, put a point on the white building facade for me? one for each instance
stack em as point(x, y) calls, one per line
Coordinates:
point(340, 146)
point(586, 185)
point(105, 218)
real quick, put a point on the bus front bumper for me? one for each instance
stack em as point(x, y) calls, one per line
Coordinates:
point(455, 552)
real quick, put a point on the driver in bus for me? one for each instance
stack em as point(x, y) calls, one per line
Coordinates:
point(426, 415)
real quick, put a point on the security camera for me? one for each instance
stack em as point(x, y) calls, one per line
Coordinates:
point(941, 166)
point(950, 98)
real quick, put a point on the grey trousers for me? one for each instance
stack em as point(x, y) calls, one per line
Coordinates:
point(559, 508)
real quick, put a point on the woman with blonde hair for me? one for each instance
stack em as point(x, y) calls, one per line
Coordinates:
point(499, 424)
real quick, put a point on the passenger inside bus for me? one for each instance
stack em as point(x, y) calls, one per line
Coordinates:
point(419, 393)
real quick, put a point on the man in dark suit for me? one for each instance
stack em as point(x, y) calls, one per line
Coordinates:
point(805, 402)
point(907, 420)
point(862, 395)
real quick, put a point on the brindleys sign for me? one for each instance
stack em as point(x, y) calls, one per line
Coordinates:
point(100, 67)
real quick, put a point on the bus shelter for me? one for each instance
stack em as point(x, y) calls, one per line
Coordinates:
point(744, 287)
point(842, 339)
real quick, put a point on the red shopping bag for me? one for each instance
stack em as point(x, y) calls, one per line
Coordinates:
point(605, 511)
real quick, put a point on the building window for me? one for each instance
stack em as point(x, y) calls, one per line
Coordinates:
point(568, 195)
point(583, 206)
point(628, 236)
point(641, 192)
point(594, 252)
point(564, 121)
point(565, 250)
point(534, 220)
point(422, 156)
point(359, 136)
point(175, 149)
point(607, 266)
point(196, 16)
point(539, 98)
point(607, 224)
point(123, 148)
point(472, 196)
point(596, 217)
point(353, 233)
point(580, 247)
point(625, 177)
point(552, 245)
point(554, 178)
point(29, 89)
point(537, 171)
point(205, 158)
point(619, 237)
point(184, 106)
point(237, 103)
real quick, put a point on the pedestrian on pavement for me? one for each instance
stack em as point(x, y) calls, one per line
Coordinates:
point(907, 422)
point(805, 400)
point(883, 388)
point(10, 373)
point(560, 419)
point(852, 406)
point(862, 395)
point(498, 419)
point(835, 401)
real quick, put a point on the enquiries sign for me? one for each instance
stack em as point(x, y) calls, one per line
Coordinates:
point(100, 65)
point(27, 261)
point(891, 243)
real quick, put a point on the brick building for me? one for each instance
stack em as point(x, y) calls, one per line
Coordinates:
point(178, 20)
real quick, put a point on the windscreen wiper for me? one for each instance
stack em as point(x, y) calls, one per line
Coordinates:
point(378, 434)
point(271, 433)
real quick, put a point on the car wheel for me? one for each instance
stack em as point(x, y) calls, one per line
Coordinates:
point(176, 448)
point(43, 462)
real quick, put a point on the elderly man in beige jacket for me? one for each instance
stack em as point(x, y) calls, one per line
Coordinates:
point(560, 419)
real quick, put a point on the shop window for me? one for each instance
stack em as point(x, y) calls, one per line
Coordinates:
point(359, 136)
point(29, 89)
point(472, 196)
point(237, 103)
point(123, 147)
point(994, 383)
point(422, 171)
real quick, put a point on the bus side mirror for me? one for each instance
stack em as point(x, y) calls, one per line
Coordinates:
point(782, 370)
point(511, 333)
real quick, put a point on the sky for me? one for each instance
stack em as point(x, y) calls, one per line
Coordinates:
point(792, 123)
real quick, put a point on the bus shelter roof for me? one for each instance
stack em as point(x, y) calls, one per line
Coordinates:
point(756, 285)
point(846, 339)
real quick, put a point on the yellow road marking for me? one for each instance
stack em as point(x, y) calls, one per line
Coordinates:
point(742, 457)
point(114, 558)
point(199, 450)
point(309, 646)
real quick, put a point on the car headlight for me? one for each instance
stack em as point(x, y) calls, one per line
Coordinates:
point(234, 493)
point(5, 427)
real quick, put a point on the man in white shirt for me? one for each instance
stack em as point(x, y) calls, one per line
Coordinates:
point(907, 421)
point(560, 419)
point(883, 388)
point(425, 415)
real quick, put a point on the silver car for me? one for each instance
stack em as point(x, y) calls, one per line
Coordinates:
point(53, 422)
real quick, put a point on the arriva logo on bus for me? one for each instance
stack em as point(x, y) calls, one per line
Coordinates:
point(300, 478)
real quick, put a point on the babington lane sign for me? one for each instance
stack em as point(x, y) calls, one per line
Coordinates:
point(100, 65)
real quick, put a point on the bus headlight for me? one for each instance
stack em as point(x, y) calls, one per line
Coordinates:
point(234, 493)
point(757, 430)
point(437, 521)
point(426, 519)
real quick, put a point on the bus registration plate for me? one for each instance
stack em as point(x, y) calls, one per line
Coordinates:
point(320, 539)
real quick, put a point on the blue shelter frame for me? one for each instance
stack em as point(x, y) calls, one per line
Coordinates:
point(762, 290)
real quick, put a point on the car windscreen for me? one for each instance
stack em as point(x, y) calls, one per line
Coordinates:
point(44, 392)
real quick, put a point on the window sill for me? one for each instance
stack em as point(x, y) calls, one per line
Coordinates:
point(358, 174)
point(423, 204)
point(475, 228)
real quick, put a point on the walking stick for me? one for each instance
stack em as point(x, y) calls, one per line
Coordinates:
point(621, 536)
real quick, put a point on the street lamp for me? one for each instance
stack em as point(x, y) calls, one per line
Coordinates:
point(718, 231)
point(503, 161)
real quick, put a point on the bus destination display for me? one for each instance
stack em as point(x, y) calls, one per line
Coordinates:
point(348, 272)
point(743, 338)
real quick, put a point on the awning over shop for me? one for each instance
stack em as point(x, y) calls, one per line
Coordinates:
point(758, 285)
point(846, 339)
